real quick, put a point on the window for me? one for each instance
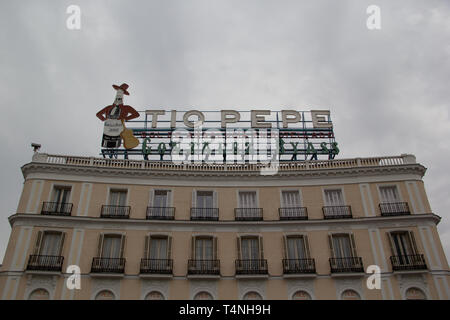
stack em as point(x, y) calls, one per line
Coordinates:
point(415, 294)
point(402, 243)
point(350, 295)
point(203, 248)
point(49, 243)
point(161, 198)
point(203, 296)
point(342, 246)
point(251, 248)
point(154, 295)
point(39, 294)
point(105, 295)
point(205, 199)
point(159, 247)
point(117, 197)
point(389, 194)
point(334, 197)
point(252, 295)
point(247, 199)
point(301, 295)
point(61, 194)
point(111, 246)
point(296, 247)
point(290, 199)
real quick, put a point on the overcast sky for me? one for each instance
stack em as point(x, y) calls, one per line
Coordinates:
point(388, 89)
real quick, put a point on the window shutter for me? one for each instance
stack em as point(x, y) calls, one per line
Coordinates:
point(151, 199)
point(215, 200)
point(413, 242)
point(330, 241)
point(352, 238)
point(285, 248)
point(193, 247)
point(239, 243)
point(215, 253)
point(100, 245)
point(308, 254)
point(146, 247)
point(169, 198)
point(37, 247)
point(61, 243)
point(391, 243)
point(122, 246)
point(194, 198)
point(169, 247)
point(261, 248)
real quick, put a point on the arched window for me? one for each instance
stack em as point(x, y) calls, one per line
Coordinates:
point(105, 295)
point(350, 294)
point(415, 294)
point(39, 294)
point(252, 295)
point(154, 295)
point(301, 295)
point(203, 295)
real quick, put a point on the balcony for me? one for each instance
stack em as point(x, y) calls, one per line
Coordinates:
point(248, 214)
point(408, 262)
point(116, 212)
point(394, 209)
point(160, 213)
point(156, 266)
point(108, 265)
point(205, 214)
point(204, 267)
point(337, 212)
point(299, 266)
point(56, 208)
point(251, 267)
point(346, 265)
point(45, 263)
point(296, 213)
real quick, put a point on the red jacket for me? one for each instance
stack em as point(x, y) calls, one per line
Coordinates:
point(126, 112)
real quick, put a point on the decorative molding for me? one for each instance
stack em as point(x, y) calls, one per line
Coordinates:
point(35, 281)
point(306, 285)
point(245, 286)
point(149, 285)
point(355, 284)
point(196, 286)
point(99, 284)
point(406, 281)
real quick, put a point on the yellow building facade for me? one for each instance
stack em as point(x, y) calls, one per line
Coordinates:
point(159, 230)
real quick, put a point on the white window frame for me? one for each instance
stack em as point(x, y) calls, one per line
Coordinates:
point(247, 190)
point(381, 185)
point(324, 198)
point(282, 204)
point(119, 188)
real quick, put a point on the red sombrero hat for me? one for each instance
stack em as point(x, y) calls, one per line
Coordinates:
point(122, 87)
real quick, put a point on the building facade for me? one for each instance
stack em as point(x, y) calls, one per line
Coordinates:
point(159, 230)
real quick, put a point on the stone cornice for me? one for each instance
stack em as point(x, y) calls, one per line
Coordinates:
point(23, 219)
point(80, 170)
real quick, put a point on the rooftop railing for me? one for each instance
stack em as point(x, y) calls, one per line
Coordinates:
point(248, 167)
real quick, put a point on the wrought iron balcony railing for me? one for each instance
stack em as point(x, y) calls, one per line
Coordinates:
point(45, 263)
point(252, 266)
point(347, 264)
point(117, 212)
point(160, 213)
point(296, 213)
point(297, 266)
point(408, 262)
point(248, 214)
point(205, 214)
point(204, 267)
point(337, 212)
point(394, 209)
point(108, 265)
point(156, 266)
point(56, 208)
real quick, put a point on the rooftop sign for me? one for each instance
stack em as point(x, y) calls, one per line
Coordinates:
point(216, 136)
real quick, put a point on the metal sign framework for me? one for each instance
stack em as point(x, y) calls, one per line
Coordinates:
point(300, 141)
